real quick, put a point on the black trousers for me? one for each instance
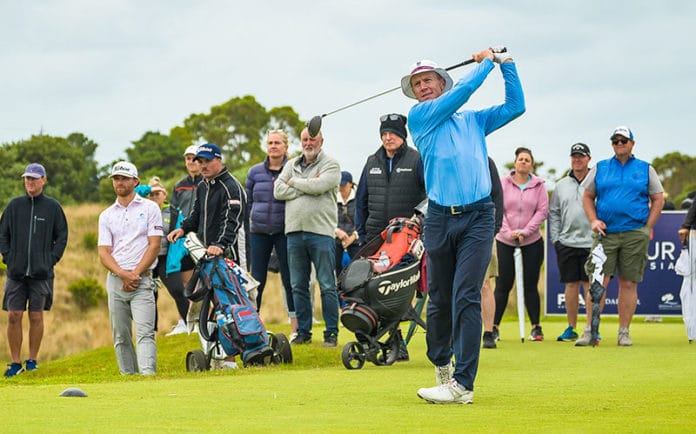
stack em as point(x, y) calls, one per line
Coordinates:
point(532, 258)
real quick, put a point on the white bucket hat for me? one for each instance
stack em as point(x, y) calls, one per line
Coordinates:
point(424, 66)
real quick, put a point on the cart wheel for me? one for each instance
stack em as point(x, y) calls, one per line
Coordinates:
point(282, 347)
point(353, 355)
point(196, 361)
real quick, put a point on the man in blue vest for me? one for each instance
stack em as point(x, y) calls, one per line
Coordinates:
point(623, 199)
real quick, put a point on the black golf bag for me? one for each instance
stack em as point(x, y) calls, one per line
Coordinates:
point(378, 289)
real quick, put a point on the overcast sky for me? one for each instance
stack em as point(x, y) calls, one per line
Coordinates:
point(114, 69)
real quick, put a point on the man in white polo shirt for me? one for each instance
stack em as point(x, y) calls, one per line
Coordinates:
point(130, 232)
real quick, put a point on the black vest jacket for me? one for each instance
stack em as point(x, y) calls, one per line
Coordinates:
point(392, 195)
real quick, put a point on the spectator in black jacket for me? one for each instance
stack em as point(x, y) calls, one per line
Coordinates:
point(219, 212)
point(391, 183)
point(183, 197)
point(346, 235)
point(33, 236)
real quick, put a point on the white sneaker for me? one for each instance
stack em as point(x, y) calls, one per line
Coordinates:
point(443, 374)
point(223, 364)
point(229, 365)
point(178, 329)
point(448, 393)
point(624, 340)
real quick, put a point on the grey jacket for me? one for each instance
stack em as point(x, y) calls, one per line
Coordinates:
point(309, 195)
point(567, 220)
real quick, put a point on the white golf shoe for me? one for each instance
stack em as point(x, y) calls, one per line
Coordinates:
point(448, 393)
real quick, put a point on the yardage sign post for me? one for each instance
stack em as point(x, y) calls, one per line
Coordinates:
point(658, 293)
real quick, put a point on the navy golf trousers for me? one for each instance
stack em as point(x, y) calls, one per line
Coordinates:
point(458, 247)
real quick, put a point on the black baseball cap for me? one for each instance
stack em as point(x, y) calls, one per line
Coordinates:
point(580, 148)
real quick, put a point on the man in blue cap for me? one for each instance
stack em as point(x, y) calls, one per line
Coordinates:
point(219, 211)
point(33, 236)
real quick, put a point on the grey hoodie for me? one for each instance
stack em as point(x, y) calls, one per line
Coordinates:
point(567, 220)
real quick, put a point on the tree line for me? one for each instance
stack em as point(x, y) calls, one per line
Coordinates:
point(238, 126)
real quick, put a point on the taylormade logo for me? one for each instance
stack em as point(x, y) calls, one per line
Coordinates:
point(386, 287)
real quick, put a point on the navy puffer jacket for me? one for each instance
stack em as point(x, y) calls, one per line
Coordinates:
point(267, 214)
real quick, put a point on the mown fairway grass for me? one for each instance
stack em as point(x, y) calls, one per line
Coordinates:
point(532, 387)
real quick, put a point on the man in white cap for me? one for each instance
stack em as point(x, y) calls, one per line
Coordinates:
point(460, 219)
point(182, 199)
point(623, 213)
point(130, 234)
point(33, 236)
point(184, 194)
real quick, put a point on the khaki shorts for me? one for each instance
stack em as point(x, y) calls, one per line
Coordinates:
point(627, 254)
point(492, 270)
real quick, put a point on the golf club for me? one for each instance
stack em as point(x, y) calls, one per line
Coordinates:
point(314, 124)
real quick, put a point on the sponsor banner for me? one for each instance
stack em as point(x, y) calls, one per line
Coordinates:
point(658, 293)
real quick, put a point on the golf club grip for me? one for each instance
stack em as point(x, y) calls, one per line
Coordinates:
point(466, 62)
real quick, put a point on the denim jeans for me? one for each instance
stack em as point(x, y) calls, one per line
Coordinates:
point(305, 249)
point(261, 248)
point(458, 248)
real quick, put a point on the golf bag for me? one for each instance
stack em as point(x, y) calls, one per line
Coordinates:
point(238, 327)
point(378, 289)
point(222, 295)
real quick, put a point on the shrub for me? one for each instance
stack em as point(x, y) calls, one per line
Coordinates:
point(89, 241)
point(87, 292)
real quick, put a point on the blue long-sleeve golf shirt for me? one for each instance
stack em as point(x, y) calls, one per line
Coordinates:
point(452, 144)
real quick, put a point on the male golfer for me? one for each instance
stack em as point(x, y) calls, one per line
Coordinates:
point(624, 213)
point(459, 224)
point(130, 233)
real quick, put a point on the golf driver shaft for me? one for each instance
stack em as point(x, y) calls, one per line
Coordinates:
point(466, 62)
point(314, 124)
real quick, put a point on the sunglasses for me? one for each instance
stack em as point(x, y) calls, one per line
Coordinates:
point(617, 141)
point(393, 117)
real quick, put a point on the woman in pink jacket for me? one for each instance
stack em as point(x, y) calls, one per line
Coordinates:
point(526, 207)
